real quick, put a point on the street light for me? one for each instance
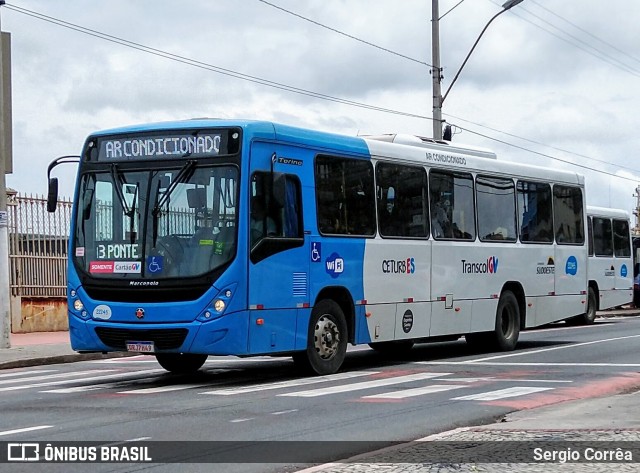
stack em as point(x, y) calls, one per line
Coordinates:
point(438, 98)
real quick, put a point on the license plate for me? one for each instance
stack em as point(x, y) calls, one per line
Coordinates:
point(140, 347)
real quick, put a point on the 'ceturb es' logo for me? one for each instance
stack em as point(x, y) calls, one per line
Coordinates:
point(405, 266)
point(486, 267)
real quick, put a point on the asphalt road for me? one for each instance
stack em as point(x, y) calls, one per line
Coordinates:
point(434, 388)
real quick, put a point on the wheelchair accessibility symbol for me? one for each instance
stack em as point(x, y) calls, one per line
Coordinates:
point(154, 264)
point(316, 253)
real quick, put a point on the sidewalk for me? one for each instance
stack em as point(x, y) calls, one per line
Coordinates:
point(44, 348)
point(609, 423)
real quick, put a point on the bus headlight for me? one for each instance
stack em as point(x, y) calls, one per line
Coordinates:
point(78, 305)
point(219, 305)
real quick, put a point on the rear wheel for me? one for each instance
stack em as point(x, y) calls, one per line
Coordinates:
point(589, 316)
point(326, 340)
point(181, 363)
point(507, 329)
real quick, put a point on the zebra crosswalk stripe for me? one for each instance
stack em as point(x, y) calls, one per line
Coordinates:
point(289, 383)
point(434, 388)
point(501, 394)
point(365, 385)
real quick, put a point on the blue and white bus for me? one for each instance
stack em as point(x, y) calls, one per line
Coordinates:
point(222, 237)
point(610, 269)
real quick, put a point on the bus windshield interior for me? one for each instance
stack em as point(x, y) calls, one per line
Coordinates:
point(154, 224)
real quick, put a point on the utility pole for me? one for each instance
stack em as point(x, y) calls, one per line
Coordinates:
point(436, 71)
point(636, 212)
point(5, 320)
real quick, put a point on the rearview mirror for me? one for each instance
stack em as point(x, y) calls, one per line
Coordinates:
point(52, 197)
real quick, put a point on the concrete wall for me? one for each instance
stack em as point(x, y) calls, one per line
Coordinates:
point(38, 314)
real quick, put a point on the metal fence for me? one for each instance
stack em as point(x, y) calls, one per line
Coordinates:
point(37, 246)
point(38, 241)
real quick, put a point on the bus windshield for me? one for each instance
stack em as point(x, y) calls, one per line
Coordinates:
point(165, 223)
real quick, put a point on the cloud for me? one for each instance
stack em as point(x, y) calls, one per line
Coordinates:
point(526, 77)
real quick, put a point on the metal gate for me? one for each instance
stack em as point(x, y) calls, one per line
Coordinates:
point(37, 262)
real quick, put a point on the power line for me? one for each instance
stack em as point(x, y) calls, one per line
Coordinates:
point(589, 49)
point(545, 155)
point(586, 31)
point(207, 66)
point(287, 88)
point(321, 25)
point(608, 163)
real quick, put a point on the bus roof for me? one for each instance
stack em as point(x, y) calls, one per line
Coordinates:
point(404, 148)
point(607, 212)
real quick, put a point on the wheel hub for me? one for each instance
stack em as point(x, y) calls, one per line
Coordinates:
point(326, 338)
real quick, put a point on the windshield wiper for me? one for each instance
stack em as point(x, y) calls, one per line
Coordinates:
point(116, 177)
point(183, 175)
point(129, 212)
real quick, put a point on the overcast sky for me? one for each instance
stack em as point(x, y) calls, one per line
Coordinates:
point(560, 80)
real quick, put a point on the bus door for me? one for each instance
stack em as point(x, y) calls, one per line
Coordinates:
point(570, 251)
point(278, 285)
point(397, 264)
point(623, 257)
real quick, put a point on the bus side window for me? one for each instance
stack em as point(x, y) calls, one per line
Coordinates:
point(345, 197)
point(452, 205)
point(535, 212)
point(291, 226)
point(275, 221)
point(568, 214)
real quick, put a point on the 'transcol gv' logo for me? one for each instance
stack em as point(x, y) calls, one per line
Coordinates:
point(486, 267)
point(334, 265)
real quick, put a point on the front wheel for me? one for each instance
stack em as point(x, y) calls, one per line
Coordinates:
point(181, 363)
point(326, 340)
point(589, 317)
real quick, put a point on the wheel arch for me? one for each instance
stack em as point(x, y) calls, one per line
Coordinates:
point(594, 285)
point(341, 296)
point(516, 288)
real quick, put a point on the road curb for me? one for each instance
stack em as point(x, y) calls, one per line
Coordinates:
point(55, 359)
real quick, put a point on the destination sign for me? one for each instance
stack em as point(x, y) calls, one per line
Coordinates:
point(169, 145)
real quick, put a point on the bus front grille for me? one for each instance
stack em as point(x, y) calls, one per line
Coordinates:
point(162, 338)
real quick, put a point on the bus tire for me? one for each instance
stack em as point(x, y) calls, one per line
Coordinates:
point(326, 340)
point(181, 363)
point(507, 330)
point(589, 317)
